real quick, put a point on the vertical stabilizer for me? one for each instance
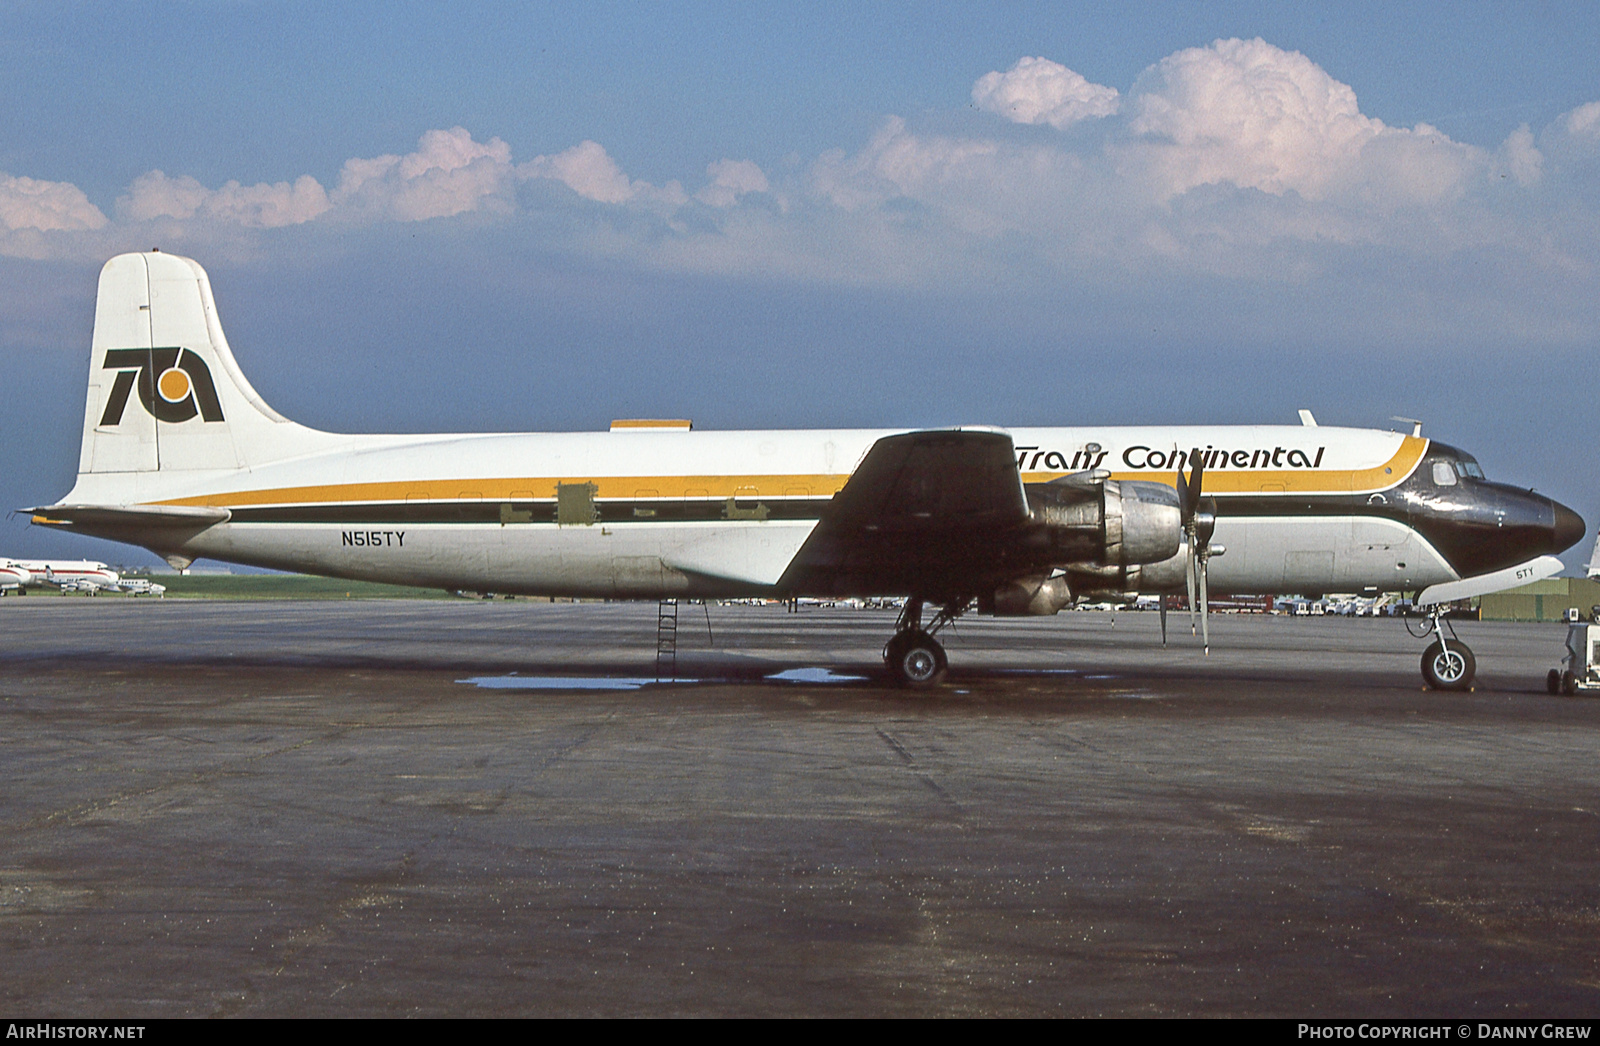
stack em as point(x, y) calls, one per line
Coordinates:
point(165, 394)
point(116, 439)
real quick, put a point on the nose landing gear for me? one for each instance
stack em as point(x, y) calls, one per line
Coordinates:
point(1447, 664)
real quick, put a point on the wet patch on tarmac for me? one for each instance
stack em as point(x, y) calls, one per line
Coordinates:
point(814, 675)
point(519, 682)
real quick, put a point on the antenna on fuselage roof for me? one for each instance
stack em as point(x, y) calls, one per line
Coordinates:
point(1306, 419)
point(1416, 426)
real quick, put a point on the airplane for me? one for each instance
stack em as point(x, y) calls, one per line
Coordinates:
point(181, 455)
point(142, 586)
point(14, 579)
point(77, 575)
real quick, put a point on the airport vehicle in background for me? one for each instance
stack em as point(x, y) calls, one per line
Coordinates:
point(182, 456)
point(1593, 568)
point(1581, 662)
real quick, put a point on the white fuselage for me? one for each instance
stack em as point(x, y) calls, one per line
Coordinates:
point(63, 573)
point(379, 507)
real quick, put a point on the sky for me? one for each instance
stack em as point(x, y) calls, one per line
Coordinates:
point(432, 217)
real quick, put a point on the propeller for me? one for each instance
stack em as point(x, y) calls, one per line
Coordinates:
point(1199, 518)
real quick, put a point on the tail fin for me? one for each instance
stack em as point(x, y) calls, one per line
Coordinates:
point(165, 394)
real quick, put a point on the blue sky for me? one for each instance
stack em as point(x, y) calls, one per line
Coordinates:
point(524, 216)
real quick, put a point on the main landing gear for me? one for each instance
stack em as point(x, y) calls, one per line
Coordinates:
point(1446, 664)
point(912, 655)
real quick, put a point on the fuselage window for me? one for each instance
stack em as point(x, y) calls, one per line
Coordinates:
point(1443, 474)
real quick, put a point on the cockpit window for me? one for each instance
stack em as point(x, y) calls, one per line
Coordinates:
point(1469, 469)
point(1444, 475)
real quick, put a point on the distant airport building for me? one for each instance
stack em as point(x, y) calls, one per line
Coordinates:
point(1546, 600)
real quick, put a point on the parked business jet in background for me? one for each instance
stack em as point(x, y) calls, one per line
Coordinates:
point(182, 456)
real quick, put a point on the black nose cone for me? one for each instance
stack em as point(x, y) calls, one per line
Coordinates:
point(1569, 528)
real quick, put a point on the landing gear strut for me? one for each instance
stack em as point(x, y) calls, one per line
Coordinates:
point(1446, 664)
point(912, 655)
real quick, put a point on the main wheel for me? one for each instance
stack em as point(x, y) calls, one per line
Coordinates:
point(1448, 668)
point(895, 648)
point(919, 660)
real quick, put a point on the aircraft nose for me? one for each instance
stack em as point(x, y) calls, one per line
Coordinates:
point(1569, 528)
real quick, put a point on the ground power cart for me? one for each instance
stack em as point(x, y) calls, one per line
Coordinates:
point(1581, 669)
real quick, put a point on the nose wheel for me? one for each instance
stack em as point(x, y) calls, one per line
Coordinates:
point(1447, 664)
point(1448, 668)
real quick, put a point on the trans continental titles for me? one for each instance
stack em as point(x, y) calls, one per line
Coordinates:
point(1138, 456)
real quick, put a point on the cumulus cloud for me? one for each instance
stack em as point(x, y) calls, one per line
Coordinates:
point(1583, 122)
point(1522, 160)
point(731, 179)
point(1248, 114)
point(899, 163)
point(1037, 90)
point(261, 206)
point(448, 174)
point(588, 170)
point(29, 203)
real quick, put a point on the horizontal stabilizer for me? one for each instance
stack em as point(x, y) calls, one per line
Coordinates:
point(140, 516)
point(1483, 584)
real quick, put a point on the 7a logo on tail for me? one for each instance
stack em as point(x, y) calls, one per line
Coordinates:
point(174, 385)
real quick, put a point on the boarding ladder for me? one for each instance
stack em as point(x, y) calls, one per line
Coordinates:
point(667, 641)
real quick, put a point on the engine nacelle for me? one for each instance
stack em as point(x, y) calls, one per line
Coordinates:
point(1110, 524)
point(1166, 576)
point(1036, 595)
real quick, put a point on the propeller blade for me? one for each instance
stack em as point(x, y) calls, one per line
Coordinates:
point(1189, 497)
point(1198, 516)
point(1163, 619)
point(1188, 579)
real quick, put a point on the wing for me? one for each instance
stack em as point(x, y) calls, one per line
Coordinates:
point(936, 514)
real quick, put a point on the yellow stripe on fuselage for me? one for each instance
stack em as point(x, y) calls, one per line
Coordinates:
point(1220, 481)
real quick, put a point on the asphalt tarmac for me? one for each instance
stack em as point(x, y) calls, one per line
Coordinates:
point(396, 808)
